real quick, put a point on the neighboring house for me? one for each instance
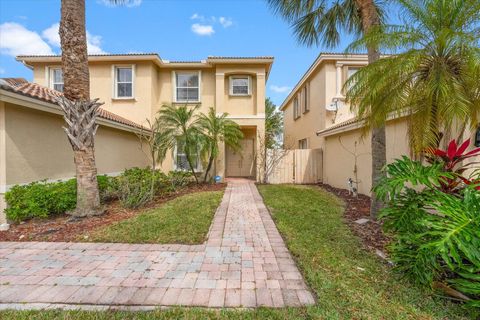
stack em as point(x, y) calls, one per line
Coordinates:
point(317, 117)
point(133, 88)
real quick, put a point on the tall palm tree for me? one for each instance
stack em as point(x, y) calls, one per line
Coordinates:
point(216, 129)
point(273, 124)
point(434, 77)
point(180, 129)
point(320, 22)
point(79, 111)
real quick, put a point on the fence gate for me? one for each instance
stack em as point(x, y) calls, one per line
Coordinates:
point(300, 166)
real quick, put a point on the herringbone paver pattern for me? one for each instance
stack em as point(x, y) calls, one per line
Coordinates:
point(244, 263)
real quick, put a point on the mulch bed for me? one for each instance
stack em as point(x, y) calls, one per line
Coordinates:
point(63, 228)
point(356, 208)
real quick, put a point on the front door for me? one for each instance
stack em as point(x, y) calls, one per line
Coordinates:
point(240, 163)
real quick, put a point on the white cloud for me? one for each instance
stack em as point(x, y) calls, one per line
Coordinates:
point(196, 16)
point(93, 41)
point(202, 29)
point(280, 89)
point(51, 35)
point(2, 71)
point(225, 22)
point(18, 40)
point(126, 3)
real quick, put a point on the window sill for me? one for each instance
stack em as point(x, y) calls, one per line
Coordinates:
point(296, 118)
point(124, 99)
point(306, 111)
point(240, 95)
point(186, 102)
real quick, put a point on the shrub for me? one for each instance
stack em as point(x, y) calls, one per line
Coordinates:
point(179, 179)
point(138, 186)
point(42, 199)
point(435, 220)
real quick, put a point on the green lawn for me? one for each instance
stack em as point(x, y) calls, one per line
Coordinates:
point(184, 220)
point(349, 282)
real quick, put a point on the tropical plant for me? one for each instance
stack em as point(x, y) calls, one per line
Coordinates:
point(79, 111)
point(181, 129)
point(435, 233)
point(273, 125)
point(320, 22)
point(453, 161)
point(431, 77)
point(216, 129)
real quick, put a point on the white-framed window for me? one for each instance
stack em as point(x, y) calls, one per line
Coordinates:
point(181, 162)
point(124, 82)
point(296, 111)
point(240, 86)
point(303, 144)
point(351, 71)
point(56, 79)
point(187, 86)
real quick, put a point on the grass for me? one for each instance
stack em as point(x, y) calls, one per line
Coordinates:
point(349, 282)
point(184, 220)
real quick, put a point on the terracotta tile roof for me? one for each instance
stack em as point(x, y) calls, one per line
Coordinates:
point(36, 91)
point(240, 58)
point(14, 81)
point(339, 125)
point(90, 55)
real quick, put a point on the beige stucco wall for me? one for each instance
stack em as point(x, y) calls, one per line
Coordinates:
point(3, 167)
point(323, 89)
point(102, 86)
point(341, 149)
point(154, 86)
point(37, 147)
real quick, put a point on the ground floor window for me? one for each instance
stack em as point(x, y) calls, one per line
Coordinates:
point(303, 144)
point(181, 161)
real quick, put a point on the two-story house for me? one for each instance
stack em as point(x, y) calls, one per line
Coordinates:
point(316, 116)
point(133, 87)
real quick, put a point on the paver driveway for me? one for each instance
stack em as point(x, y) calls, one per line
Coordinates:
point(244, 263)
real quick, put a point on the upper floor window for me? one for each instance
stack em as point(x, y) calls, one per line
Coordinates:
point(240, 85)
point(124, 81)
point(296, 111)
point(56, 79)
point(351, 71)
point(306, 97)
point(187, 86)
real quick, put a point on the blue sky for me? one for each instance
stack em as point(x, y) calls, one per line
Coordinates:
point(176, 30)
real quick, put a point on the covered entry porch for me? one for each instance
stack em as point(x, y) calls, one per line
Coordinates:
point(242, 163)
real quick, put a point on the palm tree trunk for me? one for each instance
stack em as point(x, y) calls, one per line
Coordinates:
point(370, 19)
point(209, 166)
point(88, 198)
point(77, 88)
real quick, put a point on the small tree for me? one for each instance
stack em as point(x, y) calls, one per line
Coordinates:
point(273, 125)
point(216, 129)
point(180, 129)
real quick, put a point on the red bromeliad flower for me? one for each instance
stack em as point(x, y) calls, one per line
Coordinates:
point(451, 158)
point(455, 154)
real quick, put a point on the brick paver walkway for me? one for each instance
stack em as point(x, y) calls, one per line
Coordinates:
point(244, 263)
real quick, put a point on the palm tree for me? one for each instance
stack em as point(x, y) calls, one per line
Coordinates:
point(79, 111)
point(273, 124)
point(181, 130)
point(320, 22)
point(216, 129)
point(433, 80)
